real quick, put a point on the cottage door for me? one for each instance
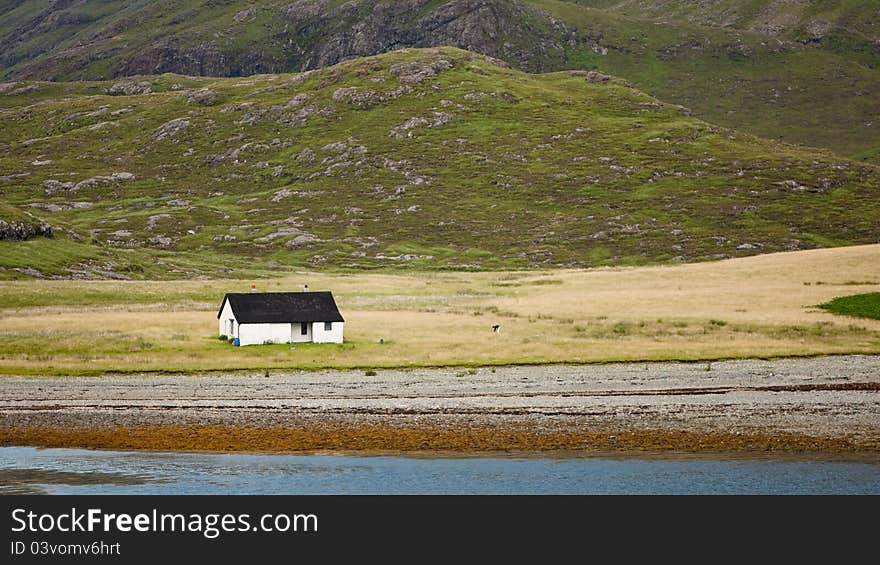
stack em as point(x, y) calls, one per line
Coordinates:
point(300, 332)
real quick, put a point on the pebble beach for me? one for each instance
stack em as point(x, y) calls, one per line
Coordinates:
point(821, 404)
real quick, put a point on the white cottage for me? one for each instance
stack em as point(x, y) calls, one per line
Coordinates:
point(280, 317)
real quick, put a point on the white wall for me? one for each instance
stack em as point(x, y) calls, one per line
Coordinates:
point(257, 334)
point(332, 336)
point(223, 322)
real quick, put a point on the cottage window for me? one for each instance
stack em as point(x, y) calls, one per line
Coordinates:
point(328, 326)
point(303, 328)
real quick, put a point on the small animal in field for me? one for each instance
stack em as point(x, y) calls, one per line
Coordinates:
point(496, 328)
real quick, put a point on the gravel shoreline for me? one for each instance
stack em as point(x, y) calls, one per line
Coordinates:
point(824, 404)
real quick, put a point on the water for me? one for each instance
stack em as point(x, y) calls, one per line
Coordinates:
point(74, 471)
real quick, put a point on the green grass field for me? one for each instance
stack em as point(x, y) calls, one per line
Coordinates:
point(859, 305)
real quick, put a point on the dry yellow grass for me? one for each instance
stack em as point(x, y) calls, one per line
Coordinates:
point(759, 306)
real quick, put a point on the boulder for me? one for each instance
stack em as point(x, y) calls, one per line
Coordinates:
point(596, 77)
point(414, 73)
point(170, 129)
point(203, 96)
point(21, 231)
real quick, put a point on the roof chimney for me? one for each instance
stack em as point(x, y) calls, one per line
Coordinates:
point(253, 288)
point(305, 288)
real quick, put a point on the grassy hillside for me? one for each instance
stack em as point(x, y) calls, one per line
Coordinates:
point(418, 159)
point(802, 71)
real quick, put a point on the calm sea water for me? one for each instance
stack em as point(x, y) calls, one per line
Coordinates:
point(72, 471)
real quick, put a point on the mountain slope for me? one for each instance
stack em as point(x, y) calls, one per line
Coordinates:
point(800, 70)
point(76, 39)
point(435, 158)
point(803, 20)
point(804, 76)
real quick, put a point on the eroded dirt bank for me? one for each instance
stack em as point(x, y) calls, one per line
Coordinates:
point(826, 404)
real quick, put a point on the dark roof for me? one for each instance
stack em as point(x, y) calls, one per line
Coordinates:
point(282, 307)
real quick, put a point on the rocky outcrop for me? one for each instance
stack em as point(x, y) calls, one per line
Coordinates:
point(367, 98)
point(62, 206)
point(414, 73)
point(52, 186)
point(202, 96)
point(592, 76)
point(21, 231)
point(508, 29)
point(406, 128)
point(170, 129)
point(102, 179)
point(129, 88)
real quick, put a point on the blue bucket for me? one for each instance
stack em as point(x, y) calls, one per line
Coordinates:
point(236, 343)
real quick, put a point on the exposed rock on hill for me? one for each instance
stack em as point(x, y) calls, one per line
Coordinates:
point(20, 231)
